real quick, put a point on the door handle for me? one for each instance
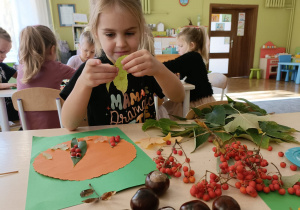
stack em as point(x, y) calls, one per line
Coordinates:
point(231, 43)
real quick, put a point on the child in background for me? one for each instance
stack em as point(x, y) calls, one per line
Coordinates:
point(39, 68)
point(87, 50)
point(6, 73)
point(118, 28)
point(193, 47)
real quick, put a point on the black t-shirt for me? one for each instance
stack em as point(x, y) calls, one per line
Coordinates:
point(191, 65)
point(6, 73)
point(111, 106)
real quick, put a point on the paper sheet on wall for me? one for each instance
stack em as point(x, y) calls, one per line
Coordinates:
point(66, 13)
point(80, 18)
point(158, 48)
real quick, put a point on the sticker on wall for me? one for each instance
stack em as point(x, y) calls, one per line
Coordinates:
point(241, 24)
point(240, 32)
point(220, 26)
point(242, 16)
point(215, 17)
point(226, 40)
point(226, 17)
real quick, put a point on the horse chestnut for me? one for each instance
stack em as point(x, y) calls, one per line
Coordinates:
point(158, 182)
point(144, 199)
point(225, 202)
point(194, 205)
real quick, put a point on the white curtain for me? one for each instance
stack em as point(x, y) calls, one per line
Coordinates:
point(17, 14)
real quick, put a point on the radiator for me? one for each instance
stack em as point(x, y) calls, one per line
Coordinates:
point(275, 3)
point(146, 6)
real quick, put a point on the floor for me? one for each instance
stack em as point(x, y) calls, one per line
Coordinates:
point(256, 90)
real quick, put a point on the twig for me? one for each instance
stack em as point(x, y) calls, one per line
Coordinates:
point(11, 172)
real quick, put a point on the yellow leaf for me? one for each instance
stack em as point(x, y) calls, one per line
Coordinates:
point(167, 137)
point(47, 156)
point(147, 142)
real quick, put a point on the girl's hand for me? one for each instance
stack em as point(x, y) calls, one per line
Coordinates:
point(96, 73)
point(7, 85)
point(141, 63)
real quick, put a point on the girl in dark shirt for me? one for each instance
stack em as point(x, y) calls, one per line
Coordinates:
point(193, 48)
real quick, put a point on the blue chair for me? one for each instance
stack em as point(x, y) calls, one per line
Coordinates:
point(283, 66)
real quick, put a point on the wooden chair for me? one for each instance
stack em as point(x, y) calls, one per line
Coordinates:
point(191, 114)
point(37, 99)
point(218, 80)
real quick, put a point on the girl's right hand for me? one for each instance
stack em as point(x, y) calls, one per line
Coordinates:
point(7, 85)
point(96, 73)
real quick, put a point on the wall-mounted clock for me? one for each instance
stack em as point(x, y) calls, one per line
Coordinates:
point(183, 2)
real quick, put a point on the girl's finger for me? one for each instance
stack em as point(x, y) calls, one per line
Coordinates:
point(93, 62)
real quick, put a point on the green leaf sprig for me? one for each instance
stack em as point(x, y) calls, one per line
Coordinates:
point(82, 145)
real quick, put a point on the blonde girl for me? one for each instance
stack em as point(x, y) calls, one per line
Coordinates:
point(193, 47)
point(39, 68)
point(118, 28)
point(86, 50)
point(7, 72)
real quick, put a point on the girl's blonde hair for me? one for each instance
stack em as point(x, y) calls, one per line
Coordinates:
point(86, 36)
point(35, 41)
point(198, 36)
point(4, 35)
point(133, 6)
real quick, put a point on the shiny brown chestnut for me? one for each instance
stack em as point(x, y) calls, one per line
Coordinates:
point(194, 205)
point(225, 202)
point(158, 182)
point(144, 199)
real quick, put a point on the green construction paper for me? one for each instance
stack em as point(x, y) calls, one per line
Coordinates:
point(48, 193)
point(276, 201)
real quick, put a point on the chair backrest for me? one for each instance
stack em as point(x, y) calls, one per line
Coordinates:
point(191, 114)
point(218, 80)
point(37, 99)
point(284, 58)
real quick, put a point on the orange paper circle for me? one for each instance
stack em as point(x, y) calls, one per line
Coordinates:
point(100, 158)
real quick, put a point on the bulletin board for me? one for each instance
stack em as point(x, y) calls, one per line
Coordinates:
point(65, 13)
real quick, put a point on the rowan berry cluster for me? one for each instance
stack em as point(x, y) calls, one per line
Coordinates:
point(248, 173)
point(170, 165)
point(114, 140)
point(75, 151)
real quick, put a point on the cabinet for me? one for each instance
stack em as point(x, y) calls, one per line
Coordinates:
point(77, 30)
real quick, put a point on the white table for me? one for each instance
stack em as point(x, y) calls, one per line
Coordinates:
point(15, 153)
point(3, 111)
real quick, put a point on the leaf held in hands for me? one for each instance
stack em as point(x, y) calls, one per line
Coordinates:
point(164, 124)
point(83, 146)
point(121, 81)
point(87, 192)
point(106, 196)
point(91, 200)
point(47, 156)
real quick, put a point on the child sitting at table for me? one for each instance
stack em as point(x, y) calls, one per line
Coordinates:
point(193, 45)
point(86, 48)
point(39, 68)
point(6, 73)
point(118, 29)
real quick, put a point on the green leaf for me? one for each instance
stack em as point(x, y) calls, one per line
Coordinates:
point(200, 137)
point(82, 145)
point(223, 135)
point(229, 110)
point(121, 81)
point(185, 132)
point(230, 100)
point(253, 135)
point(163, 123)
point(197, 111)
point(178, 117)
point(217, 116)
point(206, 110)
point(254, 107)
point(289, 181)
point(245, 121)
point(242, 107)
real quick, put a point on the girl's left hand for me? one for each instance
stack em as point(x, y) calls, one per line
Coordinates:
point(141, 63)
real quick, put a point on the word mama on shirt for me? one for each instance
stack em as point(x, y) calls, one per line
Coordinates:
point(133, 107)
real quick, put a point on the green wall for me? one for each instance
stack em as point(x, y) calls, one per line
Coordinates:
point(272, 23)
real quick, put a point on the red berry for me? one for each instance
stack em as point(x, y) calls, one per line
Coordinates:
point(112, 139)
point(73, 154)
point(293, 167)
point(270, 148)
point(283, 164)
point(158, 152)
point(78, 154)
point(168, 142)
point(112, 144)
point(281, 191)
point(179, 152)
point(280, 154)
point(187, 160)
point(75, 146)
point(117, 138)
point(73, 149)
point(174, 151)
point(291, 190)
point(177, 174)
point(185, 168)
point(186, 180)
point(77, 150)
